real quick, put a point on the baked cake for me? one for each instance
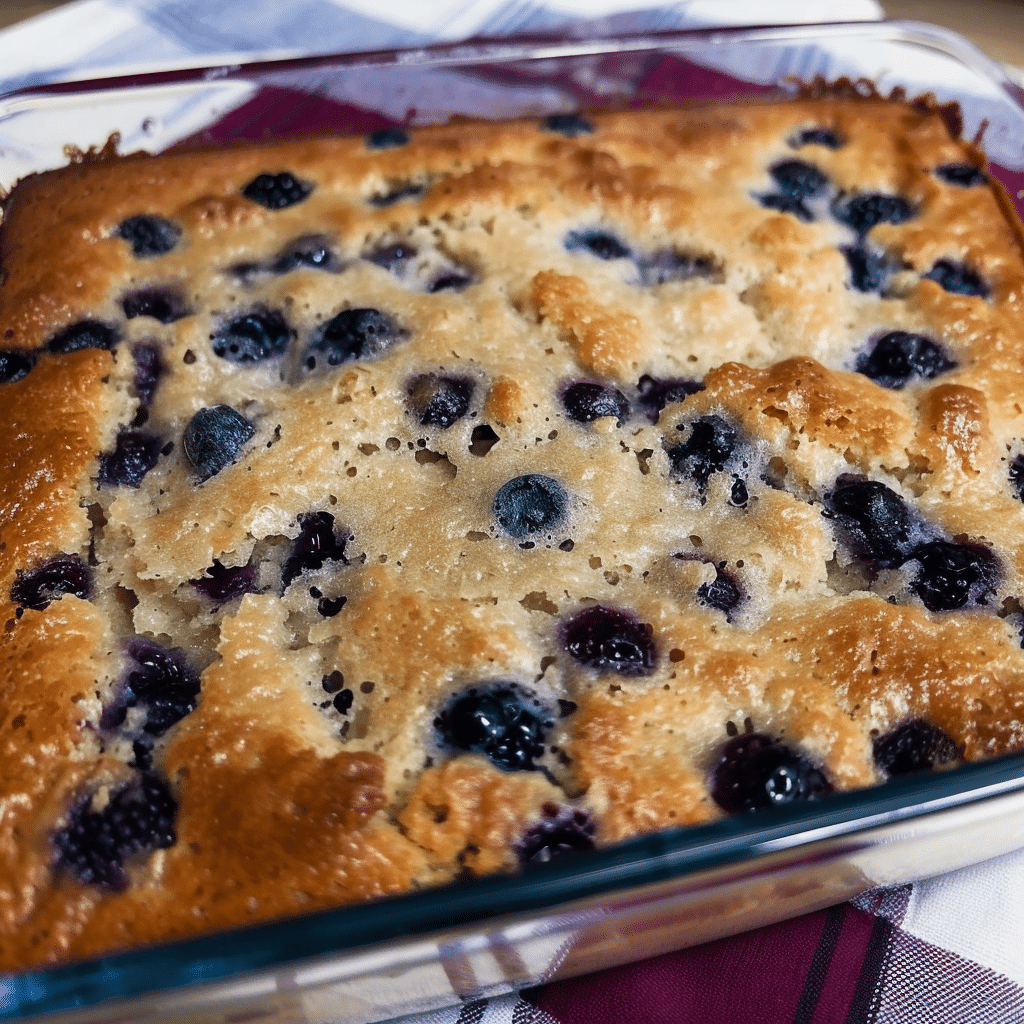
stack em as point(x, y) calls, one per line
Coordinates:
point(380, 510)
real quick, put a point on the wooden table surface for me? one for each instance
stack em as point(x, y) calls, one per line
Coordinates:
point(997, 26)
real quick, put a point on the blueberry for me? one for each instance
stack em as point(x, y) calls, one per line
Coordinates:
point(342, 701)
point(438, 400)
point(134, 455)
point(276, 191)
point(387, 138)
point(868, 268)
point(826, 137)
point(586, 401)
point(664, 265)
point(159, 303)
point(328, 607)
point(710, 446)
point(738, 495)
point(722, 593)
point(899, 356)
point(610, 640)
point(83, 334)
point(862, 212)
point(531, 504)
point(214, 438)
point(14, 365)
point(785, 203)
point(953, 575)
point(602, 244)
point(63, 574)
point(1016, 475)
point(148, 235)
point(353, 334)
point(450, 281)
point(309, 251)
point(253, 337)
point(961, 175)
point(570, 125)
point(393, 257)
point(915, 746)
point(875, 519)
point(957, 278)
point(504, 722)
point(655, 393)
point(798, 179)
point(223, 583)
point(162, 681)
point(149, 368)
point(316, 544)
point(93, 845)
point(754, 772)
point(562, 830)
point(397, 192)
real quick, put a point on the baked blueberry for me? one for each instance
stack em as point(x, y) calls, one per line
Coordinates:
point(160, 680)
point(654, 393)
point(149, 368)
point(610, 640)
point(148, 235)
point(531, 504)
point(561, 830)
point(83, 334)
point(957, 278)
point(867, 209)
point(308, 251)
point(900, 356)
point(738, 495)
point(504, 722)
point(352, 335)
point(1016, 475)
point(664, 265)
point(585, 401)
point(63, 574)
point(328, 607)
point(94, 844)
point(712, 442)
point(253, 337)
point(753, 771)
point(868, 268)
point(276, 191)
point(161, 304)
point(452, 280)
point(439, 400)
point(14, 365)
point(953, 575)
point(875, 519)
point(387, 138)
point(817, 136)
point(915, 746)
point(962, 175)
point(135, 454)
point(214, 438)
point(318, 542)
point(223, 583)
point(783, 202)
point(569, 125)
point(397, 192)
point(722, 593)
point(602, 244)
point(393, 257)
point(798, 179)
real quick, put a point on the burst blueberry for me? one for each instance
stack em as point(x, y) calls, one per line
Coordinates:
point(214, 438)
point(439, 400)
point(83, 334)
point(914, 746)
point(135, 453)
point(664, 265)
point(161, 681)
point(569, 125)
point(710, 446)
point(868, 268)
point(253, 337)
point(222, 583)
point(817, 136)
point(312, 251)
point(961, 175)
point(149, 235)
point(450, 281)
point(875, 520)
point(561, 831)
point(951, 575)
point(15, 365)
point(397, 192)
point(654, 393)
point(387, 138)
point(722, 593)
point(318, 543)
point(610, 640)
point(864, 211)
point(602, 244)
point(1016, 475)
point(586, 401)
point(531, 504)
point(393, 256)
point(353, 334)
point(277, 191)
point(149, 368)
point(798, 179)
point(63, 574)
point(958, 279)
point(900, 356)
point(162, 304)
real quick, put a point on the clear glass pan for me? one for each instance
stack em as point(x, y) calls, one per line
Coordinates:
point(666, 891)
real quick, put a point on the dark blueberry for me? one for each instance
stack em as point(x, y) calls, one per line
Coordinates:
point(328, 607)
point(826, 137)
point(84, 334)
point(785, 203)
point(610, 640)
point(342, 701)
point(316, 544)
point(798, 179)
point(504, 722)
point(309, 251)
point(222, 583)
point(387, 138)
point(875, 518)
point(214, 438)
point(353, 334)
point(862, 212)
point(134, 455)
point(531, 504)
point(93, 845)
point(148, 235)
point(738, 496)
point(586, 401)
point(162, 681)
point(655, 393)
point(755, 772)
point(437, 400)
point(158, 303)
point(953, 575)
point(393, 257)
point(898, 356)
point(602, 244)
point(570, 125)
point(868, 269)
point(276, 191)
point(957, 278)
point(253, 337)
point(450, 281)
point(710, 446)
point(14, 365)
point(962, 175)
point(723, 593)
point(149, 368)
point(397, 192)
point(664, 265)
point(562, 830)
point(1017, 476)
point(916, 746)
point(64, 574)
point(333, 681)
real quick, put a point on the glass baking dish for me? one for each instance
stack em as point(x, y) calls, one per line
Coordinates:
point(428, 949)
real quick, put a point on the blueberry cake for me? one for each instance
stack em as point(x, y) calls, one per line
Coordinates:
point(382, 510)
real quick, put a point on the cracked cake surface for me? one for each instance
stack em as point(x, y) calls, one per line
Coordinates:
point(384, 509)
